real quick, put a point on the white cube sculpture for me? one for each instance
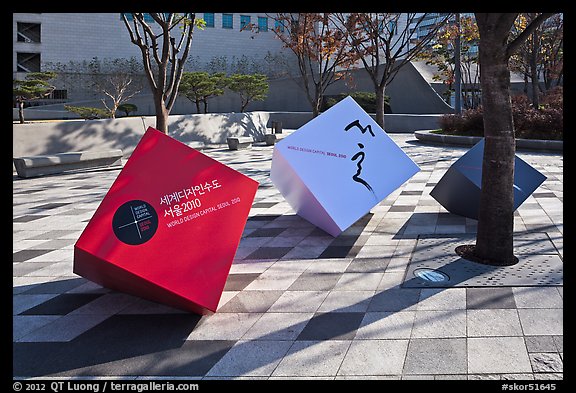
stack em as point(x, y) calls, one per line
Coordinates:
point(338, 166)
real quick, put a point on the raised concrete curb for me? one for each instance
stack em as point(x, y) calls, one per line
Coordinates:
point(531, 144)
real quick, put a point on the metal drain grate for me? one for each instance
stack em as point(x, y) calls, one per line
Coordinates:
point(539, 265)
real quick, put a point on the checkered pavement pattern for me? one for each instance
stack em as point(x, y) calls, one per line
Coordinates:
point(298, 303)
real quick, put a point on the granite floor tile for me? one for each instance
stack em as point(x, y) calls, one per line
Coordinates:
point(546, 363)
point(278, 326)
point(358, 282)
point(331, 326)
point(269, 253)
point(23, 302)
point(498, 355)
point(271, 280)
point(62, 304)
point(223, 326)
point(256, 301)
point(478, 298)
point(346, 301)
point(374, 357)
point(539, 321)
point(315, 282)
point(65, 328)
point(493, 322)
point(439, 324)
point(239, 281)
point(436, 356)
point(540, 344)
point(368, 265)
point(442, 299)
point(250, 358)
point(395, 299)
point(303, 359)
point(24, 324)
point(299, 301)
point(537, 297)
point(386, 325)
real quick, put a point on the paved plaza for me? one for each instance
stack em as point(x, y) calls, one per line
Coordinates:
point(299, 303)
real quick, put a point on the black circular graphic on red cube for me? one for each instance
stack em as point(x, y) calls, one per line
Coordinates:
point(135, 222)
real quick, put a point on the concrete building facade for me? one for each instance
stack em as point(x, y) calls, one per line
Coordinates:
point(42, 40)
point(64, 37)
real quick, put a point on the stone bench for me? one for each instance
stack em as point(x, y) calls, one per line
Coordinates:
point(61, 162)
point(239, 142)
point(271, 139)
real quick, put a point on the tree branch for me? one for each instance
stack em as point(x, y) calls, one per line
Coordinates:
point(515, 44)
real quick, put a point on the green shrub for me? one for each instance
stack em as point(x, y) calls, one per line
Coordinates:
point(127, 108)
point(366, 99)
point(89, 113)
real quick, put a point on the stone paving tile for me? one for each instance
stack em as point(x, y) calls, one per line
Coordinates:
point(386, 325)
point(538, 321)
point(537, 297)
point(331, 326)
point(298, 303)
point(546, 363)
point(250, 358)
point(346, 301)
point(540, 344)
point(493, 322)
point(374, 357)
point(479, 298)
point(439, 324)
point(442, 299)
point(497, 355)
point(436, 356)
point(278, 326)
point(224, 326)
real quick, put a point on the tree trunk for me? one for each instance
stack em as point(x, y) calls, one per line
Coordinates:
point(380, 105)
point(317, 104)
point(494, 242)
point(534, 70)
point(161, 114)
point(21, 111)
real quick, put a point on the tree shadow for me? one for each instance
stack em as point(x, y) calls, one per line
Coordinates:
point(156, 344)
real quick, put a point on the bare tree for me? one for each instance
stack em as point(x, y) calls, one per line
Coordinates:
point(117, 80)
point(164, 49)
point(320, 48)
point(385, 42)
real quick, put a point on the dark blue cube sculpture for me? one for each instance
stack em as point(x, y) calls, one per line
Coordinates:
point(459, 189)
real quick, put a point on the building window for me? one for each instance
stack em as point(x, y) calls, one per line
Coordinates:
point(209, 19)
point(59, 94)
point(27, 62)
point(28, 32)
point(279, 25)
point(244, 22)
point(262, 23)
point(227, 21)
point(392, 27)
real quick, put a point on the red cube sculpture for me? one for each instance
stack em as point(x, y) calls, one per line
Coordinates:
point(169, 227)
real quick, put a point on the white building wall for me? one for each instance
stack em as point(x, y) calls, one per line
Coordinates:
point(75, 37)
